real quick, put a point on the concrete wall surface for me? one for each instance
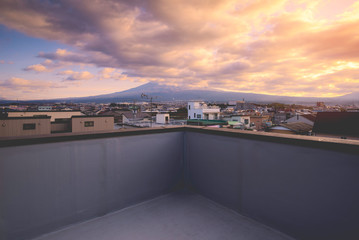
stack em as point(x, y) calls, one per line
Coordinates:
point(48, 186)
point(307, 193)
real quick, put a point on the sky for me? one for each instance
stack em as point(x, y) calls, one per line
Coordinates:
point(73, 48)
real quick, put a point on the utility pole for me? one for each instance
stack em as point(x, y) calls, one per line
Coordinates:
point(134, 109)
point(148, 97)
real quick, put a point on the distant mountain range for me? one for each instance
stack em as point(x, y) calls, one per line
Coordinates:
point(170, 93)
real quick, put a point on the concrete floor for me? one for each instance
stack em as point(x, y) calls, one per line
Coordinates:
point(180, 215)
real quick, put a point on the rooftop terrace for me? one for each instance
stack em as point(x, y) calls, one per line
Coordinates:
point(178, 183)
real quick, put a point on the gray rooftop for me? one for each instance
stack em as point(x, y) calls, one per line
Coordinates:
point(179, 215)
point(178, 183)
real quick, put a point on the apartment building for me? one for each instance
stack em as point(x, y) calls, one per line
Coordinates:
point(200, 110)
point(24, 126)
point(53, 114)
point(40, 125)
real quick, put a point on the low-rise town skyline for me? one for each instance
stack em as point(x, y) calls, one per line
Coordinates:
point(235, 114)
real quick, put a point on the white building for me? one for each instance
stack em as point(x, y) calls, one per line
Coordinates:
point(245, 120)
point(162, 118)
point(44, 108)
point(200, 110)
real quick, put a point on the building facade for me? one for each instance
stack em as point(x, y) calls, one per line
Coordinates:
point(24, 126)
point(200, 110)
point(260, 122)
point(53, 114)
point(162, 118)
point(92, 123)
point(44, 108)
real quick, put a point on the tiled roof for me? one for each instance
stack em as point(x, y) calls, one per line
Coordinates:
point(298, 127)
point(310, 117)
point(139, 115)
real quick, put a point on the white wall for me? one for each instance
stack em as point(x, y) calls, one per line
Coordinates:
point(161, 118)
point(195, 109)
point(242, 119)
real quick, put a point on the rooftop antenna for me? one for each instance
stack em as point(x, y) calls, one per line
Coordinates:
point(151, 98)
point(134, 109)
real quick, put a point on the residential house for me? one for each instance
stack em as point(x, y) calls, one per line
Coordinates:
point(24, 126)
point(162, 118)
point(53, 114)
point(260, 122)
point(129, 117)
point(200, 110)
point(92, 123)
point(306, 118)
point(281, 117)
point(239, 121)
point(292, 128)
point(117, 114)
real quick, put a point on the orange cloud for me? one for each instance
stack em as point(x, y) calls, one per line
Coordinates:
point(36, 68)
point(28, 85)
point(75, 76)
point(281, 47)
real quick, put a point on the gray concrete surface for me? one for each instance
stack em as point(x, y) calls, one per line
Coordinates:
point(44, 187)
point(305, 192)
point(180, 215)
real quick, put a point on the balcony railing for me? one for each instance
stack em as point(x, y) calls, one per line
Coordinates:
point(204, 184)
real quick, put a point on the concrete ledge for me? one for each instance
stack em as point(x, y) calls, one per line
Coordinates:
point(63, 137)
point(343, 145)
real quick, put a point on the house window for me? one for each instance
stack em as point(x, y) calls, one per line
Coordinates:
point(89, 123)
point(198, 115)
point(246, 121)
point(194, 115)
point(29, 126)
point(189, 107)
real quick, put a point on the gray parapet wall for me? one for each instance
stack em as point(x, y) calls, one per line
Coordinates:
point(305, 187)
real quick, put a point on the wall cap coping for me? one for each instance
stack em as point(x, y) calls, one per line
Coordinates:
point(345, 145)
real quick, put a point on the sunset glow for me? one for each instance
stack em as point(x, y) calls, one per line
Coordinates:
point(53, 49)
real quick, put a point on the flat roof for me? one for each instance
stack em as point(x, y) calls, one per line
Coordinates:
point(95, 116)
point(49, 111)
point(178, 215)
point(34, 117)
